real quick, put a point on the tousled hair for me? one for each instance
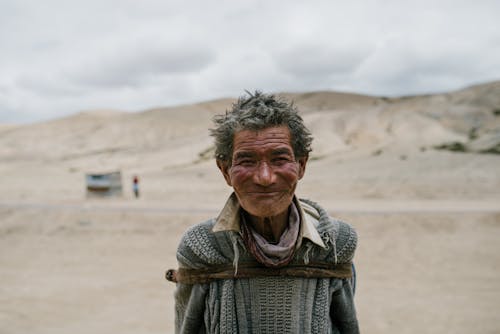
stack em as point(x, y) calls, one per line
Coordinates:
point(259, 111)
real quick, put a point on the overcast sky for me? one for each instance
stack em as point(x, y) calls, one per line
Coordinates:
point(61, 57)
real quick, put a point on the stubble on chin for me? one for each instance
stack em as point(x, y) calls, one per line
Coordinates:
point(266, 209)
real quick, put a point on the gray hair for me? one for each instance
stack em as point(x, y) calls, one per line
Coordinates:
point(259, 111)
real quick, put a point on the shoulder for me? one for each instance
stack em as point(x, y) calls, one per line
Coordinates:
point(200, 248)
point(346, 239)
point(339, 237)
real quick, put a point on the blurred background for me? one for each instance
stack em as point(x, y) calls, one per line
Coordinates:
point(106, 158)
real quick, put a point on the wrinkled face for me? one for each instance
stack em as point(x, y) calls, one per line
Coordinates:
point(264, 171)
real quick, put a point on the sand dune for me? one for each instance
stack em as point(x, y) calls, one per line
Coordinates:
point(417, 176)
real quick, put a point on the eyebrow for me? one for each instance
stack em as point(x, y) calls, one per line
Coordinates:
point(241, 155)
point(280, 151)
point(248, 154)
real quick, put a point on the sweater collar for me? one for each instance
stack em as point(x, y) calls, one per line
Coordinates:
point(229, 220)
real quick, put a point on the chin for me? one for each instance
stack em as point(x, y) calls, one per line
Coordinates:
point(265, 207)
point(265, 212)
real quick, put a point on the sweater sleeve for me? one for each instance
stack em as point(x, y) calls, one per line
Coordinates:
point(342, 310)
point(190, 308)
point(196, 250)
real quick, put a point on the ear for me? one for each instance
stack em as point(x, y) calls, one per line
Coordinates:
point(224, 168)
point(302, 165)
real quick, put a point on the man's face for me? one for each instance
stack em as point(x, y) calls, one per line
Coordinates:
point(264, 171)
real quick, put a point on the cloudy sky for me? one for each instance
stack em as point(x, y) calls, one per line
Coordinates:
point(61, 57)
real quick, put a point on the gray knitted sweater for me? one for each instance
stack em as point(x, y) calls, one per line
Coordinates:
point(277, 304)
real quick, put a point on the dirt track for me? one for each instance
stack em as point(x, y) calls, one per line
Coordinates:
point(354, 206)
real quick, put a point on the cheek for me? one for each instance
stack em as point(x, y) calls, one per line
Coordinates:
point(289, 173)
point(239, 174)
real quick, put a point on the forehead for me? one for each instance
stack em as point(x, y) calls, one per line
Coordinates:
point(269, 138)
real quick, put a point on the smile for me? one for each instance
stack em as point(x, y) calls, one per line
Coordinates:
point(265, 193)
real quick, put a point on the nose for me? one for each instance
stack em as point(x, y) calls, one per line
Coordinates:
point(264, 174)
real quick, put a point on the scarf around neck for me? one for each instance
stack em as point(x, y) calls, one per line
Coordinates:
point(266, 253)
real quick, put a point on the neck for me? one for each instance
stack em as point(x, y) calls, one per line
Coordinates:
point(271, 228)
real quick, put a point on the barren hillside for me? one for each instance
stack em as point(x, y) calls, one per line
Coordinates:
point(371, 135)
point(346, 121)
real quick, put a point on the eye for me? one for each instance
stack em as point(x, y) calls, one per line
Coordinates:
point(246, 162)
point(280, 160)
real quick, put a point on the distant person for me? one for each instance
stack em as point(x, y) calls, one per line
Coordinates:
point(270, 262)
point(135, 186)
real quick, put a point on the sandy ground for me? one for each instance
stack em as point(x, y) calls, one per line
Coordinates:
point(428, 259)
point(81, 271)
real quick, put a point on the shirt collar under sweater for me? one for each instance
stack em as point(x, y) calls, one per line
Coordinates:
point(229, 220)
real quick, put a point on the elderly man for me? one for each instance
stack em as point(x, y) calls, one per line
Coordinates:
point(270, 262)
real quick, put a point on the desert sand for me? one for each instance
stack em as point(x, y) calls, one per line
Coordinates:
point(418, 177)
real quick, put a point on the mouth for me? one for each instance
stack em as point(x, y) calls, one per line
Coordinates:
point(265, 193)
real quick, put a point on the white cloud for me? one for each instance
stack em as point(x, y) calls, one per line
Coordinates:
point(319, 60)
point(59, 57)
point(140, 63)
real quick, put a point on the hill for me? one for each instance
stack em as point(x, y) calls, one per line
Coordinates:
point(339, 121)
point(167, 142)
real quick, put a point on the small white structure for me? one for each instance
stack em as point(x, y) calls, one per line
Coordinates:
point(104, 184)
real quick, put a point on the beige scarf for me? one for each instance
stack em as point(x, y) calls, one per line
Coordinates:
point(268, 254)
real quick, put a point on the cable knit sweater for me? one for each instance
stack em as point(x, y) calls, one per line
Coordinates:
point(277, 304)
